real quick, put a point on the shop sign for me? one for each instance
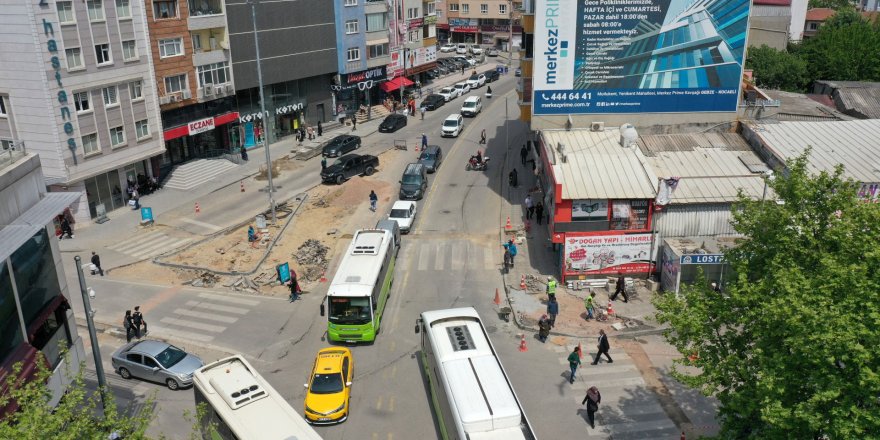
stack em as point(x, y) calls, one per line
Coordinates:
point(201, 126)
point(415, 23)
point(589, 209)
point(702, 259)
point(494, 28)
point(289, 108)
point(460, 22)
point(467, 29)
point(55, 62)
point(376, 74)
point(608, 254)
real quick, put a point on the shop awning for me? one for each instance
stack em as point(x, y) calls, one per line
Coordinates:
point(394, 84)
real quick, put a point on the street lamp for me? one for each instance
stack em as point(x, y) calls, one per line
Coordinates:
point(264, 116)
point(510, 32)
point(87, 293)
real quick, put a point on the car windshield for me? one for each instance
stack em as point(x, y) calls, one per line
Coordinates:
point(426, 156)
point(446, 90)
point(460, 86)
point(470, 104)
point(170, 356)
point(336, 141)
point(399, 213)
point(474, 78)
point(340, 162)
point(411, 179)
point(347, 310)
point(327, 383)
point(450, 123)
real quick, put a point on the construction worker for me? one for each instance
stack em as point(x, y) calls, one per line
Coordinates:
point(588, 303)
point(551, 287)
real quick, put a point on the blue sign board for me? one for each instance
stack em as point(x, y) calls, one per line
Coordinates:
point(646, 56)
point(146, 214)
point(702, 259)
point(283, 270)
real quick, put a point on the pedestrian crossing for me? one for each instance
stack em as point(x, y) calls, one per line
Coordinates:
point(452, 255)
point(148, 245)
point(204, 318)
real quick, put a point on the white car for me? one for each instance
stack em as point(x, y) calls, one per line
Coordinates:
point(469, 60)
point(476, 81)
point(472, 106)
point(476, 49)
point(404, 213)
point(448, 47)
point(462, 88)
point(452, 126)
point(461, 48)
point(449, 93)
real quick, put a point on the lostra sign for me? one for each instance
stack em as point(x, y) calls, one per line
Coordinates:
point(200, 126)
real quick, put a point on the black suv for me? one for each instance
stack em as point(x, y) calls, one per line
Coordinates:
point(340, 145)
point(433, 102)
point(349, 166)
point(491, 75)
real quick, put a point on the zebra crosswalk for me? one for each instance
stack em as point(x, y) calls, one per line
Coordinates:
point(148, 245)
point(452, 255)
point(204, 318)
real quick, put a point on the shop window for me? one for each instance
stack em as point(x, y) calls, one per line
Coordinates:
point(129, 50)
point(102, 54)
point(123, 9)
point(90, 144)
point(81, 102)
point(629, 214)
point(164, 9)
point(53, 336)
point(10, 325)
point(35, 275)
point(74, 58)
point(143, 129)
point(96, 10)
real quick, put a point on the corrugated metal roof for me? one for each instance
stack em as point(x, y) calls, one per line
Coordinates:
point(13, 236)
point(597, 167)
point(862, 103)
point(853, 144)
point(652, 144)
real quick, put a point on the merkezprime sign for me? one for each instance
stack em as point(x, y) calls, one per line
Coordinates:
point(638, 56)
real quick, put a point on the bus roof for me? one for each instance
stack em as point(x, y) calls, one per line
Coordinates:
point(361, 264)
point(260, 412)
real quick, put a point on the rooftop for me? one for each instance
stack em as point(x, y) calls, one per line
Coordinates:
point(801, 107)
point(862, 103)
point(819, 14)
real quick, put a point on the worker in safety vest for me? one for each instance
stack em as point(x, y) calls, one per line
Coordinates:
point(551, 287)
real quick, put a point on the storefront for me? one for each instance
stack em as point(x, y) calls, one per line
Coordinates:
point(285, 106)
point(358, 89)
point(106, 192)
point(683, 258)
point(206, 137)
point(464, 30)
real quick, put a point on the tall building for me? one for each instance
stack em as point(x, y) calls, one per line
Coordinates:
point(189, 43)
point(36, 320)
point(297, 42)
point(413, 40)
point(77, 88)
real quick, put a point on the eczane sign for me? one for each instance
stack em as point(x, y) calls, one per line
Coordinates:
point(201, 126)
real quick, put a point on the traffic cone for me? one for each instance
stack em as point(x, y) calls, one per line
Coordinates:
point(610, 308)
point(522, 282)
point(522, 344)
point(323, 278)
point(242, 186)
point(417, 148)
point(198, 210)
point(497, 297)
point(508, 226)
point(580, 351)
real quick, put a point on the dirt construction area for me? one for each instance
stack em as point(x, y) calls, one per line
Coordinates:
point(311, 242)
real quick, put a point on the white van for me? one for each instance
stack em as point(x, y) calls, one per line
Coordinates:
point(452, 126)
point(472, 106)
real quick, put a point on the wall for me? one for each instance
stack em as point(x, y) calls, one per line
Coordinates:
point(770, 30)
point(168, 28)
point(695, 220)
point(21, 186)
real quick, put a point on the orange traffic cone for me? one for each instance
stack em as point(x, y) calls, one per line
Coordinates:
point(242, 186)
point(610, 308)
point(198, 210)
point(508, 226)
point(580, 351)
point(417, 148)
point(522, 344)
point(323, 278)
point(522, 282)
point(497, 297)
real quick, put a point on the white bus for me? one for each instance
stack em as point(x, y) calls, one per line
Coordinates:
point(359, 291)
point(241, 405)
point(470, 391)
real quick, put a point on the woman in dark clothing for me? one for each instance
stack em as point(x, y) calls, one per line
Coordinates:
point(592, 400)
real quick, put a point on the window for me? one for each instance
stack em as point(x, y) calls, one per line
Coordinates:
point(502, 9)
point(171, 47)
point(354, 54)
point(484, 8)
point(136, 89)
point(164, 9)
point(74, 58)
point(90, 144)
point(351, 2)
point(123, 9)
point(814, 26)
point(96, 10)
point(377, 22)
point(412, 13)
point(465, 8)
point(430, 8)
point(453, 7)
point(117, 136)
point(142, 128)
point(102, 53)
point(217, 73)
point(414, 36)
point(6, 144)
point(110, 98)
point(65, 12)
point(351, 27)
point(2, 106)
point(81, 102)
point(129, 50)
point(379, 50)
point(197, 42)
point(174, 84)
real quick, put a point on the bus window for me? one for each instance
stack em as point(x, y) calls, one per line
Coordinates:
point(348, 310)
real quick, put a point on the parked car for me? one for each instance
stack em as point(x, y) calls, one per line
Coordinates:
point(414, 182)
point(349, 166)
point(470, 61)
point(433, 102)
point(461, 48)
point(476, 81)
point(328, 391)
point(404, 213)
point(449, 93)
point(431, 158)
point(340, 145)
point(452, 126)
point(462, 88)
point(472, 106)
point(492, 52)
point(476, 49)
point(517, 72)
point(392, 123)
point(491, 75)
point(156, 361)
point(448, 47)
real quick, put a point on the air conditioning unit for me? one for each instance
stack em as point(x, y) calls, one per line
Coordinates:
point(229, 88)
point(187, 94)
point(597, 126)
point(207, 90)
point(172, 98)
point(218, 90)
point(164, 100)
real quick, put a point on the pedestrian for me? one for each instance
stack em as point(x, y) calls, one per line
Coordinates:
point(510, 246)
point(423, 110)
point(552, 310)
point(65, 228)
point(483, 136)
point(96, 261)
point(295, 290)
point(374, 199)
point(543, 328)
point(512, 178)
point(508, 260)
point(320, 129)
point(244, 155)
point(323, 163)
point(620, 288)
point(462, 70)
point(539, 211)
point(523, 153)
point(354, 123)
point(253, 236)
point(592, 400)
point(424, 141)
point(137, 199)
point(530, 207)
point(70, 220)
point(137, 319)
point(603, 348)
point(574, 360)
point(128, 325)
point(588, 304)
point(551, 288)
point(311, 133)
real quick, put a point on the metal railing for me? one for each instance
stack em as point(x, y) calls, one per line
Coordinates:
point(10, 155)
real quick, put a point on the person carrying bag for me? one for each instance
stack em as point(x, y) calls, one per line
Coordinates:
point(592, 400)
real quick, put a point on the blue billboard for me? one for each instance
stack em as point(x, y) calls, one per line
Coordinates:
point(638, 56)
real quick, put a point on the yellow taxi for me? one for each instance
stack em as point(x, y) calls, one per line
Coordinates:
point(329, 387)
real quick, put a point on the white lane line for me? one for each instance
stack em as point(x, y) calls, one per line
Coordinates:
point(160, 247)
point(214, 228)
point(180, 334)
point(135, 241)
point(208, 316)
point(424, 256)
point(459, 253)
point(217, 307)
point(195, 325)
point(440, 258)
point(242, 301)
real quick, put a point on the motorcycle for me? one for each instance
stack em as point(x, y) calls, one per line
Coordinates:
point(473, 164)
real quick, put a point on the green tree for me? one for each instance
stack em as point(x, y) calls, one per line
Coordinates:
point(777, 69)
point(844, 49)
point(790, 348)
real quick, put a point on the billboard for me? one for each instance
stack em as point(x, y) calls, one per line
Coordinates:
point(638, 56)
point(608, 254)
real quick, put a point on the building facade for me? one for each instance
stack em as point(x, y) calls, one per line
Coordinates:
point(78, 90)
point(770, 23)
point(413, 39)
point(481, 21)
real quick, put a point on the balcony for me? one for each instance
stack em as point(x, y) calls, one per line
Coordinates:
point(211, 91)
point(206, 14)
point(210, 56)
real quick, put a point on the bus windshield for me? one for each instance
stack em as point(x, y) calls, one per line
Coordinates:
point(347, 310)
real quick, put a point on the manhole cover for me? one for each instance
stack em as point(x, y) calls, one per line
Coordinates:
point(445, 211)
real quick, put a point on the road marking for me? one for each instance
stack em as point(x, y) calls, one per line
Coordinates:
point(242, 301)
point(458, 255)
point(217, 307)
point(379, 404)
point(391, 404)
point(159, 298)
point(392, 346)
point(160, 247)
point(423, 256)
point(209, 316)
point(440, 257)
point(214, 228)
point(196, 325)
point(394, 371)
point(181, 334)
point(135, 241)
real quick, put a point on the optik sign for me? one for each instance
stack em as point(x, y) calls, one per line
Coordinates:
point(555, 27)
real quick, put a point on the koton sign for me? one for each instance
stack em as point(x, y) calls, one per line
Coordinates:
point(200, 126)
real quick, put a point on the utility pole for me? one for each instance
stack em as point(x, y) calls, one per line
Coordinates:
point(263, 115)
point(510, 33)
point(93, 337)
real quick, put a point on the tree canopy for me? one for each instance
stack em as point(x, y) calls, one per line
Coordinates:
point(790, 348)
point(777, 69)
point(833, 4)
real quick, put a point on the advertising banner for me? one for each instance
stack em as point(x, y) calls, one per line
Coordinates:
point(589, 209)
point(638, 56)
point(608, 254)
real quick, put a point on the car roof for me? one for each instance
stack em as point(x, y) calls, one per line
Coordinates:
point(447, 87)
point(329, 360)
point(472, 99)
point(413, 168)
point(394, 116)
point(454, 116)
point(149, 347)
point(402, 204)
point(463, 84)
point(431, 149)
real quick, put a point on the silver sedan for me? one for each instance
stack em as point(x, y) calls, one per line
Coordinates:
point(156, 361)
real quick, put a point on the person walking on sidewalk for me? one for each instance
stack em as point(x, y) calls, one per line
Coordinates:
point(552, 310)
point(295, 290)
point(543, 328)
point(523, 153)
point(574, 360)
point(483, 137)
point(323, 163)
point(128, 324)
point(539, 211)
point(551, 288)
point(620, 288)
point(424, 141)
point(603, 348)
point(511, 247)
point(512, 178)
point(592, 400)
point(588, 304)
point(311, 132)
point(96, 261)
point(374, 199)
point(423, 110)
point(354, 123)
point(320, 129)
point(530, 207)
point(137, 319)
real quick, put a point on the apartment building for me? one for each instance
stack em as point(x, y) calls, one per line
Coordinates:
point(189, 44)
point(486, 22)
point(77, 88)
point(413, 41)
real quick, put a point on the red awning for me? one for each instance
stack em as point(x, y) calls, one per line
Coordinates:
point(394, 84)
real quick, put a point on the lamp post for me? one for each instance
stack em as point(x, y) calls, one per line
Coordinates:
point(509, 32)
point(90, 323)
point(264, 116)
point(403, 75)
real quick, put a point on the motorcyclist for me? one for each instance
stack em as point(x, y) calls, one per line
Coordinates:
point(479, 157)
